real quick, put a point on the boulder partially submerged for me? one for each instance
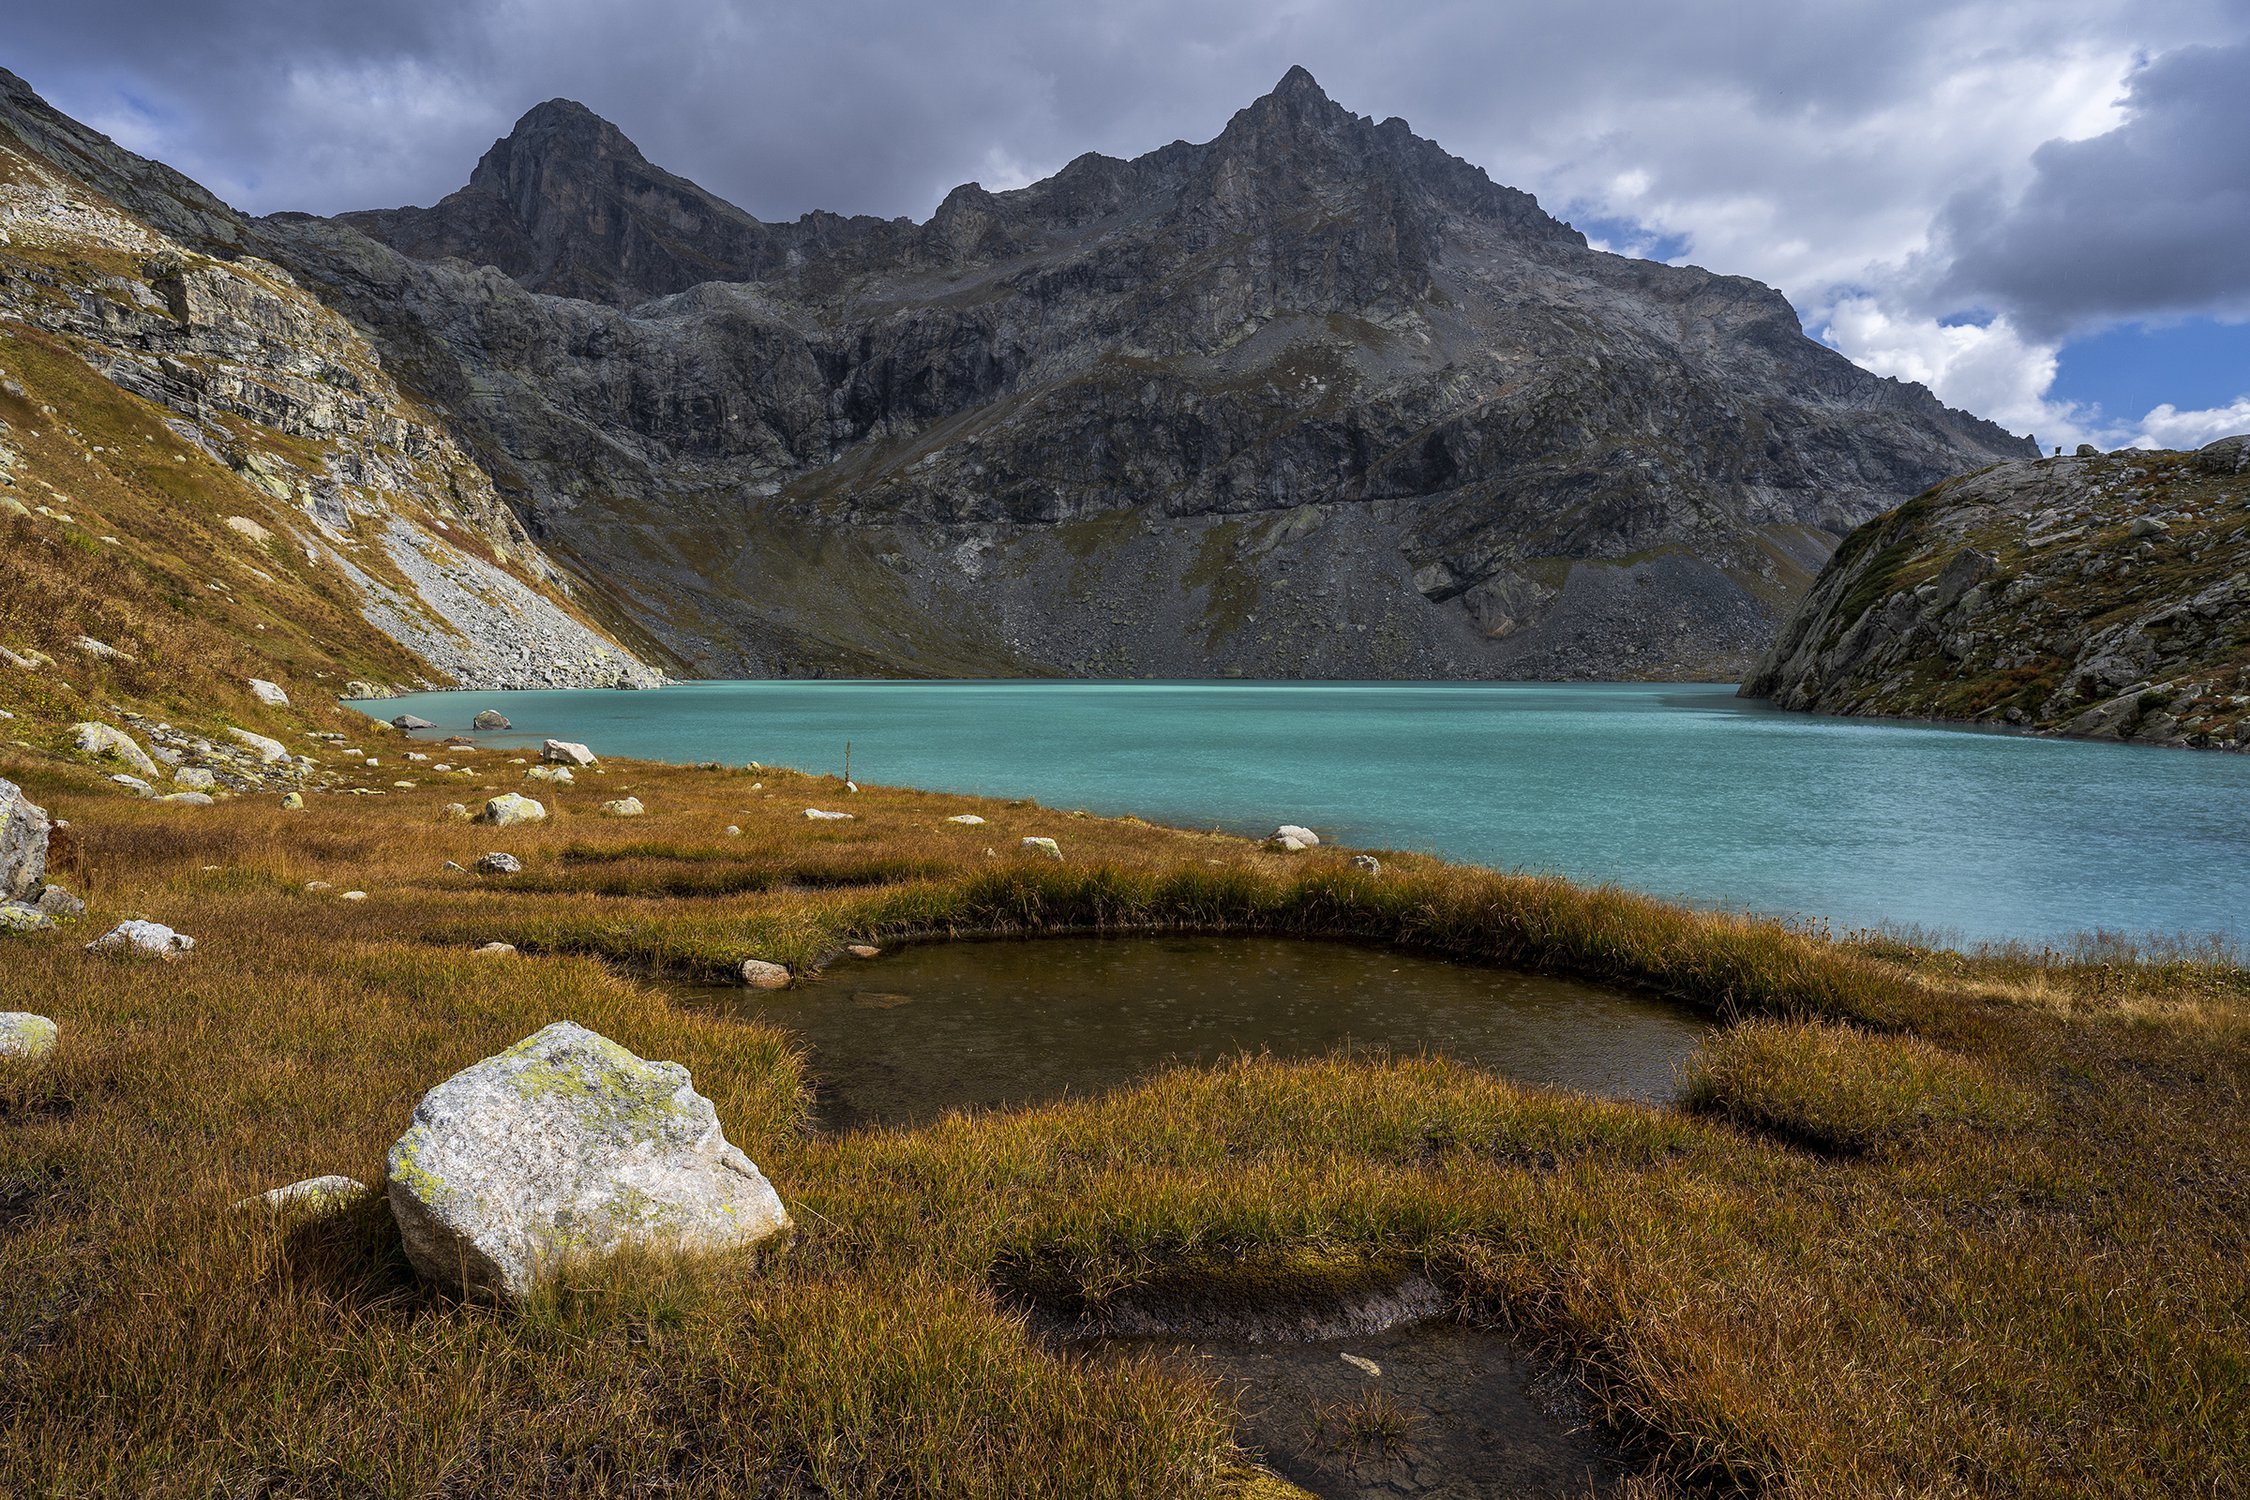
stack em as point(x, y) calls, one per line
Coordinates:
point(567, 1147)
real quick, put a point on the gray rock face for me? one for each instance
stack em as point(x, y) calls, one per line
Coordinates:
point(2104, 595)
point(1312, 398)
point(564, 1147)
point(23, 844)
point(24, 1036)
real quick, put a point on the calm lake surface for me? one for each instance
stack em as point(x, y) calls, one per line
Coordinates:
point(901, 1039)
point(1679, 791)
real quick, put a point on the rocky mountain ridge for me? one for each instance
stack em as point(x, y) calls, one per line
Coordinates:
point(2105, 595)
point(1313, 398)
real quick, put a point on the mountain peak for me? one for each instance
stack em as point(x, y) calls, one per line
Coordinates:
point(1298, 83)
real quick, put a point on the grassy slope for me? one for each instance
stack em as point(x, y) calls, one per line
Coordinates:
point(1933, 1225)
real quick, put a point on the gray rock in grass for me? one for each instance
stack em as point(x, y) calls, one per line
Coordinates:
point(23, 844)
point(24, 1036)
point(564, 1148)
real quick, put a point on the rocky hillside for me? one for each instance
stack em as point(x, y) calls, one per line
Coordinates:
point(2105, 595)
point(208, 474)
point(1312, 398)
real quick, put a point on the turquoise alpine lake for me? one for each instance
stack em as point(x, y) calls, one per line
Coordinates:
point(1680, 791)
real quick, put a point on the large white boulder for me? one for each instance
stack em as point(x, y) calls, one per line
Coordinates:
point(268, 693)
point(1305, 837)
point(139, 939)
point(623, 807)
point(107, 740)
point(510, 808)
point(266, 750)
point(23, 844)
point(565, 1147)
point(567, 752)
point(25, 1036)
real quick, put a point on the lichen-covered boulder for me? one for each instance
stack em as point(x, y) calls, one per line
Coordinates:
point(566, 1147)
point(567, 752)
point(511, 808)
point(109, 741)
point(489, 718)
point(623, 807)
point(561, 775)
point(314, 1195)
point(139, 939)
point(195, 778)
point(295, 802)
point(24, 1036)
point(17, 916)
point(23, 844)
point(1044, 848)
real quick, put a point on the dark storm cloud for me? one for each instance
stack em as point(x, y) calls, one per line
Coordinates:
point(2149, 220)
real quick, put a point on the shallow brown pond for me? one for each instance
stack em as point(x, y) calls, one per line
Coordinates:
point(900, 1039)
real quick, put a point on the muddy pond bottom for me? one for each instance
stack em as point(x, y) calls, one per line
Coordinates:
point(932, 1027)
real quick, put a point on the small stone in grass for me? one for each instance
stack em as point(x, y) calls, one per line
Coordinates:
point(820, 816)
point(1046, 847)
point(498, 863)
point(761, 975)
point(511, 808)
point(314, 1195)
point(623, 807)
point(139, 939)
point(353, 896)
point(498, 950)
point(318, 885)
point(970, 820)
point(24, 1036)
point(293, 802)
point(733, 832)
point(1367, 864)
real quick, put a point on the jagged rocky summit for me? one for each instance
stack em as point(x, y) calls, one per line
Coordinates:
point(1313, 398)
point(2103, 595)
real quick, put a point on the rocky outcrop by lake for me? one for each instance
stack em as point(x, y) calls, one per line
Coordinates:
point(145, 278)
point(2104, 595)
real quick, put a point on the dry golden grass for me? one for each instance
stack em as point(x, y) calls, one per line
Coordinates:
point(2037, 1291)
